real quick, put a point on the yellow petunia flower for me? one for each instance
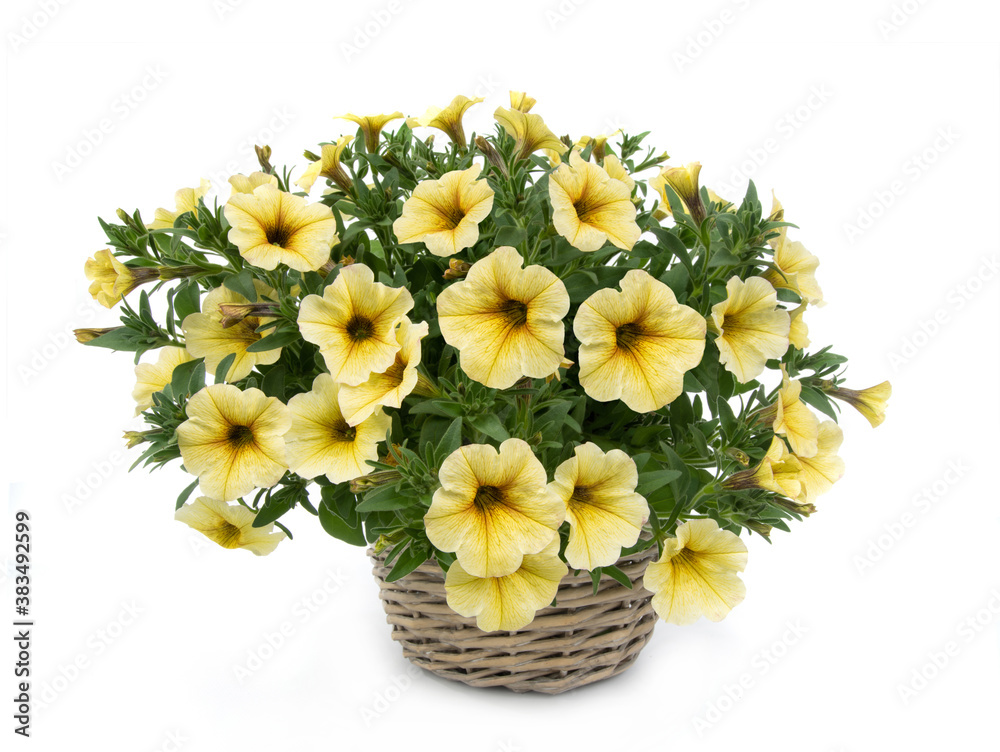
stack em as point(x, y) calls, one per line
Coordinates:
point(185, 200)
point(798, 270)
point(206, 337)
point(509, 602)
point(229, 525)
point(870, 402)
point(798, 330)
point(697, 574)
point(793, 419)
point(751, 327)
point(152, 377)
point(387, 389)
point(684, 182)
point(232, 440)
point(371, 126)
point(111, 280)
point(505, 321)
point(521, 101)
point(529, 132)
point(354, 324)
point(449, 119)
point(321, 442)
point(328, 166)
point(615, 169)
point(247, 184)
point(589, 207)
point(445, 214)
point(779, 471)
point(271, 227)
point(636, 345)
point(820, 471)
point(603, 510)
point(493, 508)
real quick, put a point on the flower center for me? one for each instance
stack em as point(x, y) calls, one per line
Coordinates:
point(279, 235)
point(340, 431)
point(453, 216)
point(227, 535)
point(359, 328)
point(627, 336)
point(581, 495)
point(240, 436)
point(514, 312)
point(488, 497)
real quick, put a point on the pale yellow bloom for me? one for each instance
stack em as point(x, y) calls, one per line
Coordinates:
point(229, 525)
point(232, 440)
point(528, 131)
point(271, 227)
point(505, 321)
point(327, 166)
point(697, 574)
point(751, 327)
point(589, 207)
point(823, 469)
point(247, 184)
point(387, 389)
point(371, 126)
point(445, 214)
point(509, 602)
point(798, 270)
point(777, 215)
point(636, 345)
point(793, 419)
point(111, 280)
point(493, 508)
point(870, 402)
point(603, 510)
point(152, 377)
point(659, 182)
point(684, 182)
point(779, 471)
point(205, 337)
point(449, 119)
point(354, 324)
point(185, 200)
point(521, 101)
point(798, 330)
point(615, 169)
point(321, 442)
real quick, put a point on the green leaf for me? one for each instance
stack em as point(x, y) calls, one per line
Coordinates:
point(451, 440)
point(120, 339)
point(273, 383)
point(274, 341)
point(812, 396)
point(223, 369)
point(649, 482)
point(242, 283)
point(187, 300)
point(274, 508)
point(384, 499)
point(616, 574)
point(185, 494)
point(510, 235)
point(338, 528)
point(490, 425)
point(408, 560)
point(188, 378)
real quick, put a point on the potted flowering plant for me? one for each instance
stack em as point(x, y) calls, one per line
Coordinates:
point(550, 382)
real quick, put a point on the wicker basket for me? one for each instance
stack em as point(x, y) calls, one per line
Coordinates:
point(584, 639)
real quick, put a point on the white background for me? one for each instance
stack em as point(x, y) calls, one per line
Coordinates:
point(882, 116)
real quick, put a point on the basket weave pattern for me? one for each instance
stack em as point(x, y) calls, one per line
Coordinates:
point(583, 639)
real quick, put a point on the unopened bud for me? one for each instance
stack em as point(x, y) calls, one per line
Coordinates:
point(84, 336)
